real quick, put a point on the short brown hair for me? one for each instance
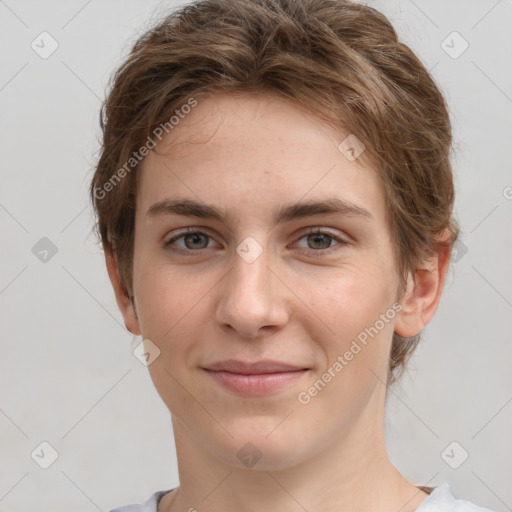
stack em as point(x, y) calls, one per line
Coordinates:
point(339, 60)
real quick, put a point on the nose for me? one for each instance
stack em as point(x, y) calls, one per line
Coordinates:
point(253, 298)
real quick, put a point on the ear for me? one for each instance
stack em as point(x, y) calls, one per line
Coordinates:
point(423, 293)
point(124, 302)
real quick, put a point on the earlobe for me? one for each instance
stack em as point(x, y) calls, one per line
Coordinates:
point(124, 301)
point(423, 294)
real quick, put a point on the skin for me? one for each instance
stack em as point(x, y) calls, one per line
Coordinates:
point(249, 155)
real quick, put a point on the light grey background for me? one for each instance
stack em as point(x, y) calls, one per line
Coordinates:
point(67, 372)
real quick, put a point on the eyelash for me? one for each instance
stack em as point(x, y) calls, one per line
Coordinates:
point(315, 231)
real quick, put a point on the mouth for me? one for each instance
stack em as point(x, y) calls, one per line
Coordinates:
point(256, 378)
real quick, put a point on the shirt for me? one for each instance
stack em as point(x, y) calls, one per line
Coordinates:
point(439, 500)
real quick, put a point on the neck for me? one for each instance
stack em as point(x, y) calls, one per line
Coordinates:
point(353, 473)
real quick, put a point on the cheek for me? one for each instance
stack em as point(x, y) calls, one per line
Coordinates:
point(173, 316)
point(345, 301)
point(352, 326)
point(168, 295)
point(350, 317)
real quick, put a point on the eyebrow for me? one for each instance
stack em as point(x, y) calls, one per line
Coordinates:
point(281, 214)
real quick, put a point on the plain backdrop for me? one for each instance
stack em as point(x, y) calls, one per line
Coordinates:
point(68, 376)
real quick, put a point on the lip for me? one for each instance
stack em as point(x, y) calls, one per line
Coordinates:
point(257, 367)
point(257, 378)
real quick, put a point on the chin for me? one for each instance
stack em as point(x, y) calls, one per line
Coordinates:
point(258, 447)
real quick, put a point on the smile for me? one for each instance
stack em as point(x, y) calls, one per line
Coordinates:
point(255, 384)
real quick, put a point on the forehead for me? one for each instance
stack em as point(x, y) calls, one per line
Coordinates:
point(255, 151)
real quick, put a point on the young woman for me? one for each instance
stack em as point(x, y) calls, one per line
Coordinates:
point(274, 197)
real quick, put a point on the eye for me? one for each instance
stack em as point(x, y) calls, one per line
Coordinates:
point(192, 240)
point(321, 242)
point(317, 241)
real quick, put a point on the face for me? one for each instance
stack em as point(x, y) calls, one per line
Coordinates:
point(256, 240)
